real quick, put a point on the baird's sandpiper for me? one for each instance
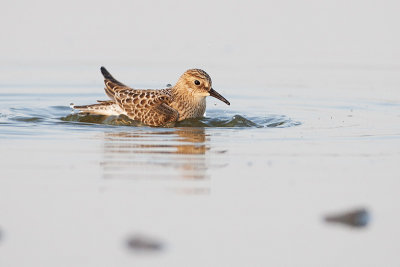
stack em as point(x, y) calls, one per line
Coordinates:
point(186, 99)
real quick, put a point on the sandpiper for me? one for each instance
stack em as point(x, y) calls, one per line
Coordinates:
point(186, 99)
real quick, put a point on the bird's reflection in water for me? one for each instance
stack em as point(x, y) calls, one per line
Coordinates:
point(156, 154)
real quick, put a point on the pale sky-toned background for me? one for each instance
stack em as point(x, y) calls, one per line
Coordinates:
point(254, 33)
point(242, 44)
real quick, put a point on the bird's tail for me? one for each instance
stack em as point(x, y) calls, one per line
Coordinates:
point(109, 77)
point(102, 108)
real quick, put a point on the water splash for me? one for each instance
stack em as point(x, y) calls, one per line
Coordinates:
point(235, 121)
point(218, 119)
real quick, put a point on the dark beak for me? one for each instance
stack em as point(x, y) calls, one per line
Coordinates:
point(218, 96)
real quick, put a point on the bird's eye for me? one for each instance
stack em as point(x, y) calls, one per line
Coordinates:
point(196, 82)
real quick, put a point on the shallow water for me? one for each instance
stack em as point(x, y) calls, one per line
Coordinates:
point(258, 176)
point(302, 169)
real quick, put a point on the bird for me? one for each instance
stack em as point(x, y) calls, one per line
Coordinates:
point(156, 107)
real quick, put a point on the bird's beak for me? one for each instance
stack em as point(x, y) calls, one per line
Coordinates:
point(218, 96)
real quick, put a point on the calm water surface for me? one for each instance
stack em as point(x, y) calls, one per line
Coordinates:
point(248, 180)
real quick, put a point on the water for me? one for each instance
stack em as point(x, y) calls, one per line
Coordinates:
point(249, 183)
point(302, 169)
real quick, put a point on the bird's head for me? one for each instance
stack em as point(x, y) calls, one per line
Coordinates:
point(198, 83)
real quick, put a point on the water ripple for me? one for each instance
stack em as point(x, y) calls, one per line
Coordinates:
point(235, 121)
point(55, 115)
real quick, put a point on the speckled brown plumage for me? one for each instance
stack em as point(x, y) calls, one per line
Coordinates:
point(186, 99)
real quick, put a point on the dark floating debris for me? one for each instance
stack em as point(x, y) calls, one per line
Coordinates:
point(169, 85)
point(142, 243)
point(355, 218)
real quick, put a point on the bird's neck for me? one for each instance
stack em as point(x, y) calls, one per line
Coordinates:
point(188, 104)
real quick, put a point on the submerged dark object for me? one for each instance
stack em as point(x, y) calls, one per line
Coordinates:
point(143, 243)
point(355, 218)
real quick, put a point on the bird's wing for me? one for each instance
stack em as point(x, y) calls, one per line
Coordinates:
point(108, 76)
point(149, 106)
point(161, 115)
point(112, 85)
